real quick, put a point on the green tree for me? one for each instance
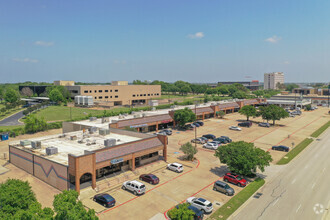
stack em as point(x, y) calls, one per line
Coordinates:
point(239, 95)
point(185, 89)
point(248, 111)
point(33, 124)
point(220, 114)
point(184, 116)
point(258, 93)
point(181, 212)
point(206, 98)
point(11, 96)
point(308, 107)
point(189, 150)
point(223, 90)
point(17, 201)
point(67, 206)
point(243, 158)
point(291, 86)
point(272, 112)
point(56, 96)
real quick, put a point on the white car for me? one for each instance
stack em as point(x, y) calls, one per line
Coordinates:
point(134, 186)
point(201, 204)
point(175, 167)
point(235, 128)
point(211, 145)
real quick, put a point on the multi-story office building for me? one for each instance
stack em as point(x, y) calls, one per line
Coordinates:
point(118, 93)
point(271, 80)
point(251, 85)
point(63, 83)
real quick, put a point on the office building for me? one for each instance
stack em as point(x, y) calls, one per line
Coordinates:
point(271, 80)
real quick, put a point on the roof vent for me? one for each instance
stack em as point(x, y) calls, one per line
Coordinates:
point(110, 142)
point(51, 150)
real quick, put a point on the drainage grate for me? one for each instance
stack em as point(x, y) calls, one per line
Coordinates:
point(257, 195)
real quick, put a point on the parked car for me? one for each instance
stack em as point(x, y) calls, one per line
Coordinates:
point(281, 148)
point(190, 126)
point(221, 140)
point(235, 128)
point(205, 139)
point(200, 123)
point(245, 124)
point(196, 124)
point(224, 188)
point(105, 199)
point(175, 167)
point(199, 141)
point(161, 133)
point(227, 138)
point(199, 215)
point(292, 115)
point(297, 112)
point(209, 136)
point(264, 124)
point(167, 131)
point(201, 204)
point(211, 145)
point(149, 178)
point(235, 179)
point(134, 186)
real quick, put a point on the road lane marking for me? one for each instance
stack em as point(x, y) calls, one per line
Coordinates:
point(276, 201)
point(293, 181)
point(298, 208)
point(313, 185)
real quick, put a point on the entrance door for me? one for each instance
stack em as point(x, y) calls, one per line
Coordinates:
point(137, 161)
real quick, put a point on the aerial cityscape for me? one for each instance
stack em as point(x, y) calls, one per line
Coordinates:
point(164, 110)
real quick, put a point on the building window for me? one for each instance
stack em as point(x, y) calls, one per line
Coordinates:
point(106, 97)
point(95, 98)
point(116, 96)
point(145, 95)
point(86, 91)
point(95, 91)
point(100, 97)
point(116, 90)
point(90, 91)
point(133, 95)
point(141, 94)
point(148, 94)
point(110, 97)
point(100, 90)
point(110, 90)
point(106, 90)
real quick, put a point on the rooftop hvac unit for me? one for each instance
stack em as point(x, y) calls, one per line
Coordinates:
point(104, 132)
point(144, 114)
point(114, 121)
point(104, 120)
point(51, 150)
point(81, 100)
point(110, 142)
point(25, 143)
point(133, 112)
point(92, 130)
point(73, 138)
point(92, 118)
point(36, 144)
point(88, 100)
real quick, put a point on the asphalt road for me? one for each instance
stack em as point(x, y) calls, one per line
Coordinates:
point(300, 191)
point(12, 120)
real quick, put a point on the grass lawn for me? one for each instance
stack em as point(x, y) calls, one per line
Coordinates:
point(295, 151)
point(10, 127)
point(176, 96)
point(319, 131)
point(235, 202)
point(62, 113)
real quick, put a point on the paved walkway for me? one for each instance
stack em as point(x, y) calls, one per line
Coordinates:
point(12, 120)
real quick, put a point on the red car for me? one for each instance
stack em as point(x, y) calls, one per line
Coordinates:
point(235, 179)
point(149, 178)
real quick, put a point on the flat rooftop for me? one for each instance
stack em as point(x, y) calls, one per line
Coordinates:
point(67, 146)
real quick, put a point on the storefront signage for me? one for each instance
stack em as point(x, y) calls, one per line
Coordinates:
point(138, 126)
point(115, 161)
point(166, 121)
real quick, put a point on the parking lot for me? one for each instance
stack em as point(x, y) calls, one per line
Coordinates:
point(198, 177)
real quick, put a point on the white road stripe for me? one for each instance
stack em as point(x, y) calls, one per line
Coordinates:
point(293, 181)
point(276, 201)
point(298, 208)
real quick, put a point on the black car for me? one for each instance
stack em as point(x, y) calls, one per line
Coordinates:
point(281, 148)
point(168, 132)
point(105, 199)
point(245, 124)
point(227, 138)
point(200, 123)
point(209, 136)
point(196, 124)
point(221, 140)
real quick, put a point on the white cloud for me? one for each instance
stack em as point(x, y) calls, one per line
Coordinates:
point(197, 35)
point(286, 62)
point(273, 39)
point(119, 61)
point(25, 60)
point(44, 43)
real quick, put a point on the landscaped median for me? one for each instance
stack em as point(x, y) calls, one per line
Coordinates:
point(302, 145)
point(234, 203)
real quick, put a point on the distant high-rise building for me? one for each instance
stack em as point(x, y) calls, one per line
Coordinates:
point(271, 80)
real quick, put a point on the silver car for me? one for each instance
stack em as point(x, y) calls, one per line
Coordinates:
point(224, 188)
point(134, 186)
point(201, 204)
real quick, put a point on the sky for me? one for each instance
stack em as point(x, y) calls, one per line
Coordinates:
point(169, 40)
